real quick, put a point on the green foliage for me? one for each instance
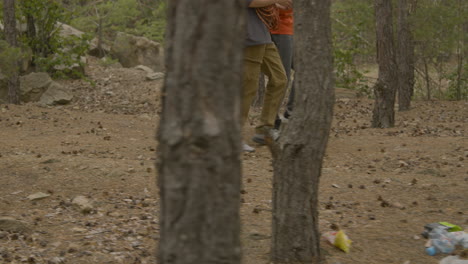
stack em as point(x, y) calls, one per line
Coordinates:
point(452, 91)
point(45, 14)
point(437, 32)
point(141, 18)
point(108, 61)
point(9, 58)
point(67, 59)
point(52, 52)
point(351, 44)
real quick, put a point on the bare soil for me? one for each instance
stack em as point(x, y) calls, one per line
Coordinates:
point(381, 186)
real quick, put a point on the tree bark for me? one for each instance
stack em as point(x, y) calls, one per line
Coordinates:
point(10, 36)
point(427, 78)
point(405, 58)
point(460, 55)
point(199, 135)
point(387, 82)
point(299, 154)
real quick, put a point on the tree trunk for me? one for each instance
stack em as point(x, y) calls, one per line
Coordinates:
point(299, 154)
point(10, 36)
point(199, 135)
point(387, 82)
point(31, 32)
point(405, 58)
point(427, 78)
point(460, 55)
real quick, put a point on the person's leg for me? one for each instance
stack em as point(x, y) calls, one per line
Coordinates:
point(284, 43)
point(253, 57)
point(276, 87)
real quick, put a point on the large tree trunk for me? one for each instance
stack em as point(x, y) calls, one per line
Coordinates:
point(10, 35)
point(405, 57)
point(199, 134)
point(387, 83)
point(300, 151)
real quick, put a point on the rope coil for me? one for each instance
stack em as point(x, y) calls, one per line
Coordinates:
point(269, 16)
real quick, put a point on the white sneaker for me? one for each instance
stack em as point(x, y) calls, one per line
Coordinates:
point(247, 148)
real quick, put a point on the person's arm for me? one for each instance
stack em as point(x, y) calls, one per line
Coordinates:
point(263, 3)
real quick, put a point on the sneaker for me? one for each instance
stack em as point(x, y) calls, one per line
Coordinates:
point(247, 148)
point(260, 138)
point(277, 123)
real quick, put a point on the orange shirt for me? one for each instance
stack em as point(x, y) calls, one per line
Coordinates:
point(286, 22)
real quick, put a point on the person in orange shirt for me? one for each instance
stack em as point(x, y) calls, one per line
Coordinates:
point(283, 39)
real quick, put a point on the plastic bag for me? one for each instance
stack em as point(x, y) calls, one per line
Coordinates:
point(339, 239)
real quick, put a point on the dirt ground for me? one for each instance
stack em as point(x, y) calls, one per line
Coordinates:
point(381, 186)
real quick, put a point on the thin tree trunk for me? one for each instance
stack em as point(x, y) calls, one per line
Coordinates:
point(199, 135)
point(460, 57)
point(387, 83)
point(299, 154)
point(10, 35)
point(427, 79)
point(405, 58)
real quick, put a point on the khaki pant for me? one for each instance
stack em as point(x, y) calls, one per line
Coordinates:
point(263, 58)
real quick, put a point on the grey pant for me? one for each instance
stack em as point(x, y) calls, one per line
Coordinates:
point(284, 43)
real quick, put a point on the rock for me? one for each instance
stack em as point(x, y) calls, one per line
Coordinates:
point(69, 31)
point(83, 203)
point(453, 260)
point(33, 85)
point(38, 86)
point(56, 94)
point(79, 230)
point(56, 260)
point(10, 224)
point(132, 51)
point(38, 196)
point(144, 68)
point(154, 76)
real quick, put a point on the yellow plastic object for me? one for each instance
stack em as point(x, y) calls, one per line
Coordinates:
point(338, 239)
point(342, 241)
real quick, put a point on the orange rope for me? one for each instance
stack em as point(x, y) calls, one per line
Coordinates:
point(269, 15)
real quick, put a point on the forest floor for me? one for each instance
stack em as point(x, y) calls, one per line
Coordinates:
point(381, 186)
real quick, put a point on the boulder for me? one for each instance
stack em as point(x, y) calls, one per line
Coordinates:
point(56, 94)
point(33, 85)
point(39, 87)
point(132, 51)
point(67, 30)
